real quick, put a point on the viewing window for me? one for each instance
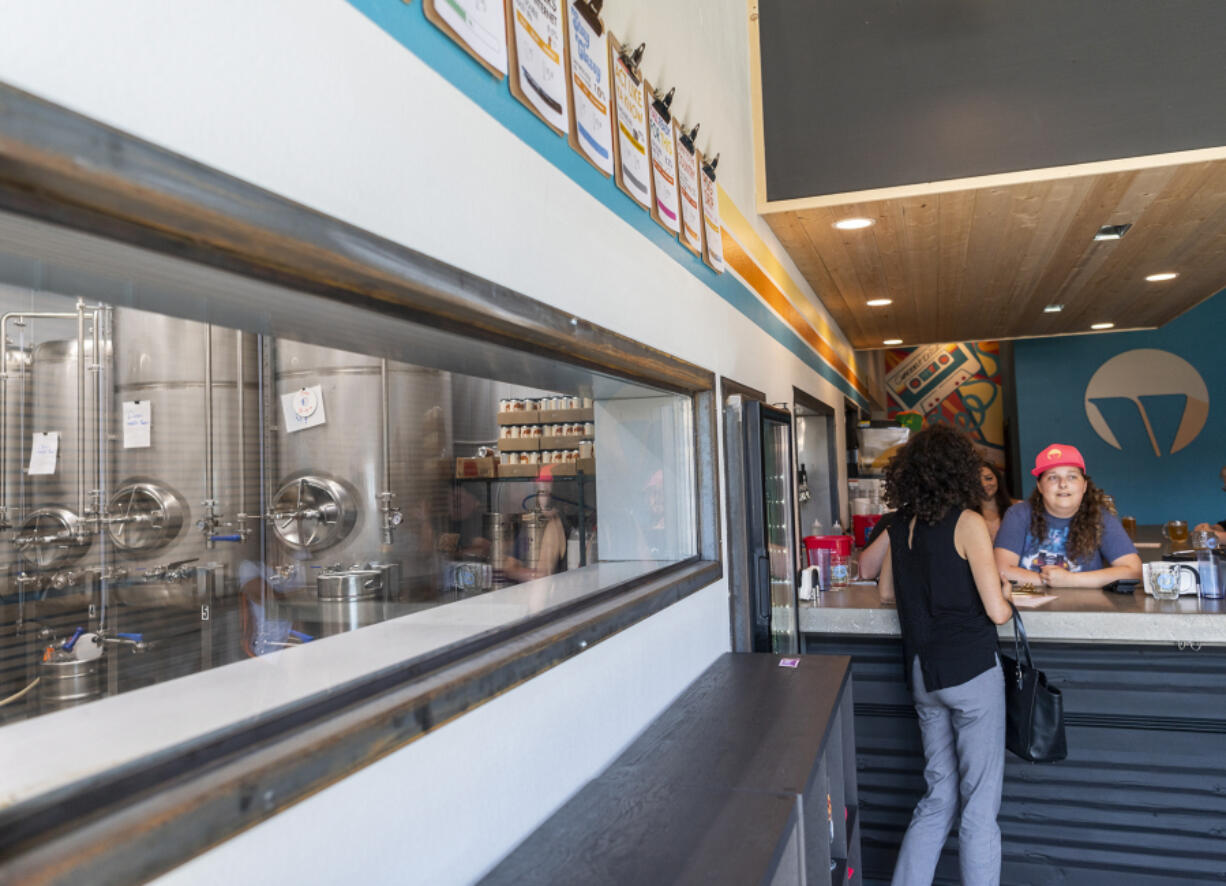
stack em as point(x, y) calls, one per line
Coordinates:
point(180, 493)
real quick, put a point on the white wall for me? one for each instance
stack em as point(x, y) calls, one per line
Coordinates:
point(309, 99)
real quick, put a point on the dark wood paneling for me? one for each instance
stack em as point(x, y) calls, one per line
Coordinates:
point(876, 93)
point(1141, 798)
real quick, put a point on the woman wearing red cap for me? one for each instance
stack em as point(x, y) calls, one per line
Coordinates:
point(1064, 536)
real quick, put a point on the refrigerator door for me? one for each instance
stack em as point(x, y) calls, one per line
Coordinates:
point(768, 467)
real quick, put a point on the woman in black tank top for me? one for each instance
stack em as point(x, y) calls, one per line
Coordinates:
point(941, 572)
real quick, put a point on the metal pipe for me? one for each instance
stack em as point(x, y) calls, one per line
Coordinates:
point(242, 436)
point(80, 415)
point(391, 516)
point(4, 344)
point(210, 501)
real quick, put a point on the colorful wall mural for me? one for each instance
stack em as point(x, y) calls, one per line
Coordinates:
point(957, 384)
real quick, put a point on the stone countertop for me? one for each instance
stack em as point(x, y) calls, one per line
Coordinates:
point(1076, 615)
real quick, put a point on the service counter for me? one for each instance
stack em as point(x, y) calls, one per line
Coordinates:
point(1142, 796)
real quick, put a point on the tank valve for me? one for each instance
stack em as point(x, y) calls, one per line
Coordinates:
point(391, 516)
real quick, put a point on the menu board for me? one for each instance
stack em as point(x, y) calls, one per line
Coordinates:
point(663, 166)
point(691, 198)
point(633, 165)
point(714, 255)
point(538, 63)
point(480, 26)
point(591, 126)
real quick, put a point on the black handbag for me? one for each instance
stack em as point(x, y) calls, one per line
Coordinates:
point(1034, 711)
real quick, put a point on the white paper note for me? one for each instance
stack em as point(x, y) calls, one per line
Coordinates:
point(691, 214)
point(710, 217)
point(664, 169)
point(589, 67)
point(482, 24)
point(303, 408)
point(137, 423)
point(43, 451)
point(632, 133)
point(538, 47)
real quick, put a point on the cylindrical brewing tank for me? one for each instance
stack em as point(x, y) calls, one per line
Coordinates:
point(346, 451)
point(52, 499)
point(16, 417)
point(161, 360)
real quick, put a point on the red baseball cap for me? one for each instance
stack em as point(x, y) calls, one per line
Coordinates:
point(1058, 455)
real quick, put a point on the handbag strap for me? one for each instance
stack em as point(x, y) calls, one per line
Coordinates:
point(1021, 643)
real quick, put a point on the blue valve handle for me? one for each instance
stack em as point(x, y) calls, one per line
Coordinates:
point(305, 638)
point(234, 537)
point(72, 641)
point(135, 638)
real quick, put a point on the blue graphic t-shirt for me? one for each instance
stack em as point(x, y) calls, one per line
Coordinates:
point(1035, 553)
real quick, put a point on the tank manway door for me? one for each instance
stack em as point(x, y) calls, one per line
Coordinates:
point(50, 538)
point(143, 517)
point(313, 512)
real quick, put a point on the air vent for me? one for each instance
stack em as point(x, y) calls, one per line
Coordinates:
point(1112, 232)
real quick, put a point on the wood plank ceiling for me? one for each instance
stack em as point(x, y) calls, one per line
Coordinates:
point(982, 264)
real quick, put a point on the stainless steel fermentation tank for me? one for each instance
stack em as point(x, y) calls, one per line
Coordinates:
point(369, 485)
point(174, 505)
point(16, 406)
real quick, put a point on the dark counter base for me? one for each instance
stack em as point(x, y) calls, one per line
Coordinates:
point(1140, 800)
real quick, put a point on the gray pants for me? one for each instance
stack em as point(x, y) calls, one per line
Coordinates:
point(963, 728)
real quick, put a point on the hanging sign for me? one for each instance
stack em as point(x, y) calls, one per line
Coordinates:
point(663, 162)
point(479, 26)
point(591, 129)
point(632, 164)
point(689, 189)
point(538, 59)
point(712, 232)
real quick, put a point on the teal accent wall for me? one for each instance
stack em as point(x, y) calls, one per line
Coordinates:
point(1051, 380)
point(407, 24)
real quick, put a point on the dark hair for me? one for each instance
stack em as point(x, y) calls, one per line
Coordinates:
point(1002, 499)
point(937, 470)
point(1085, 530)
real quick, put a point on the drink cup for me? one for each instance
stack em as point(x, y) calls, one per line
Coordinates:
point(1130, 526)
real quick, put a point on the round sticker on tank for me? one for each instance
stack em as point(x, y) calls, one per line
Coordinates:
point(1147, 398)
point(305, 403)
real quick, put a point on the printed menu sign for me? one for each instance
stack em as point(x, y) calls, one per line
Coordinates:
point(710, 216)
point(664, 169)
point(635, 167)
point(540, 72)
point(479, 25)
point(691, 199)
point(589, 71)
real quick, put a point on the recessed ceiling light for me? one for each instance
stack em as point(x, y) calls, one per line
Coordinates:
point(1112, 232)
point(1053, 309)
point(1101, 325)
point(1158, 278)
point(853, 224)
point(879, 302)
point(892, 341)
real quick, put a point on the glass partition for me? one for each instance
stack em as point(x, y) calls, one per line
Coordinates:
point(176, 495)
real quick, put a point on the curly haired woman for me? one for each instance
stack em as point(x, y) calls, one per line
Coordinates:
point(942, 574)
point(1064, 536)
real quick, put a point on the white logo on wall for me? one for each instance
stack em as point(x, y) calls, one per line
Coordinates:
point(1148, 372)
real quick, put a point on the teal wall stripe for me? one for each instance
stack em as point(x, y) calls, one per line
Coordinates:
point(407, 24)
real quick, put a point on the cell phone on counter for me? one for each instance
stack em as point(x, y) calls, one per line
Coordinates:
point(1122, 585)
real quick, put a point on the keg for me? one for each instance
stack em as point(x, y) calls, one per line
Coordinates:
point(500, 530)
point(349, 599)
point(68, 682)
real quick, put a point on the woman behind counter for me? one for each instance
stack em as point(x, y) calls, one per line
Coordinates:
point(1064, 536)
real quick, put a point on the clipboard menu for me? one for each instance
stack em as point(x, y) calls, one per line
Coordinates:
point(632, 166)
point(591, 128)
point(479, 26)
point(689, 189)
point(713, 234)
point(537, 45)
point(663, 163)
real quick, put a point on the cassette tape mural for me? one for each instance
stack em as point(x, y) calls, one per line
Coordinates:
point(957, 384)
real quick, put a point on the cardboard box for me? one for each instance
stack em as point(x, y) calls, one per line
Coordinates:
point(552, 416)
point(518, 470)
point(520, 417)
point(519, 444)
point(567, 442)
point(474, 468)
